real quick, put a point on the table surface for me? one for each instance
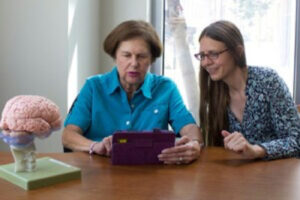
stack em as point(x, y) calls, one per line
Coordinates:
point(218, 174)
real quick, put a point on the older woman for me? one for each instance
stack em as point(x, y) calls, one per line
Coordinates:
point(247, 109)
point(131, 98)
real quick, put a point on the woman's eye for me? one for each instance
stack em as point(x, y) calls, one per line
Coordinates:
point(143, 56)
point(214, 54)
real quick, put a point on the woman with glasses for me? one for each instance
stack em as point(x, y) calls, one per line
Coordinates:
point(247, 109)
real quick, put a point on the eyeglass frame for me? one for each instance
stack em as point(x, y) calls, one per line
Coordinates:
point(210, 55)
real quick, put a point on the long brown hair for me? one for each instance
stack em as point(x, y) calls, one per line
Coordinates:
point(214, 95)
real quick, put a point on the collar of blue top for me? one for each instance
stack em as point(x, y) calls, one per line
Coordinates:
point(114, 83)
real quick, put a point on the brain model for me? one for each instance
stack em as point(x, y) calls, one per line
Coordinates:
point(32, 114)
point(24, 117)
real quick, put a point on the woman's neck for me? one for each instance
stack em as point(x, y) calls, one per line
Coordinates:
point(130, 90)
point(237, 80)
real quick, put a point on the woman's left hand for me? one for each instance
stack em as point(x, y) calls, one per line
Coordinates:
point(184, 152)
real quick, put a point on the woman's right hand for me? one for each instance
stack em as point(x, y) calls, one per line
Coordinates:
point(104, 147)
point(238, 143)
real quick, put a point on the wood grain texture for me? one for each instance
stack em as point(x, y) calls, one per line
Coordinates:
point(218, 174)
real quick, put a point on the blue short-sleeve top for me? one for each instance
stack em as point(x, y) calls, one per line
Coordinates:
point(102, 107)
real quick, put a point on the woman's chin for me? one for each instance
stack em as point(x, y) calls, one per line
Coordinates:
point(214, 77)
point(134, 81)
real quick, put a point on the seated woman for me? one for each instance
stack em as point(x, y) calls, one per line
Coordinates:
point(247, 109)
point(130, 98)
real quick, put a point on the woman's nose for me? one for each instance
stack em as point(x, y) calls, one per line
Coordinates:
point(134, 61)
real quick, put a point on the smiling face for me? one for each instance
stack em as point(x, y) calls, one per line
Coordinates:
point(133, 59)
point(221, 67)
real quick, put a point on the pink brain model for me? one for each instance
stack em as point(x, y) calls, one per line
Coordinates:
point(29, 113)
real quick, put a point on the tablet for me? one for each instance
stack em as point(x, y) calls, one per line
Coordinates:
point(140, 147)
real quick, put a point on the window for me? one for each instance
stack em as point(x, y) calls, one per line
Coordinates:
point(268, 28)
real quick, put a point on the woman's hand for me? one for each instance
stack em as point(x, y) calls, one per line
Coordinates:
point(104, 147)
point(184, 152)
point(238, 143)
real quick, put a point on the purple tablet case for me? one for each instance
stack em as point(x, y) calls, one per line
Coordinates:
point(140, 147)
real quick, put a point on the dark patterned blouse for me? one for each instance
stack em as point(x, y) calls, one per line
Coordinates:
point(270, 118)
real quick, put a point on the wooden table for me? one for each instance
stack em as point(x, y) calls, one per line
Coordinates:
point(218, 174)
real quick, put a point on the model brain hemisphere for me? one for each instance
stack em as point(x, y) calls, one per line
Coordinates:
point(31, 114)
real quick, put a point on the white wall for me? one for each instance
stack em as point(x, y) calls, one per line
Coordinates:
point(84, 31)
point(49, 47)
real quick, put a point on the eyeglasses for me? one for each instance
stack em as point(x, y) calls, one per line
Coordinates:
point(212, 55)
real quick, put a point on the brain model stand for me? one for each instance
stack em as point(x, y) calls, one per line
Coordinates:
point(23, 118)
